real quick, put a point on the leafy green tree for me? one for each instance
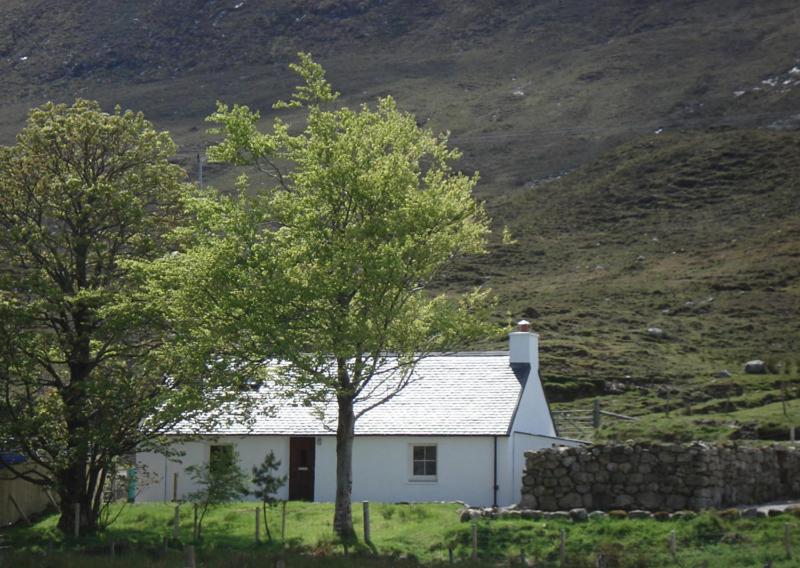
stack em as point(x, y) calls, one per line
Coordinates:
point(221, 480)
point(89, 368)
point(267, 484)
point(327, 268)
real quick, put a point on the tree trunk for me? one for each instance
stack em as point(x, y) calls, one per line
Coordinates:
point(72, 489)
point(79, 482)
point(342, 517)
point(266, 523)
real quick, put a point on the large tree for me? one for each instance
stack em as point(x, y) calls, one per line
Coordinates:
point(89, 368)
point(326, 267)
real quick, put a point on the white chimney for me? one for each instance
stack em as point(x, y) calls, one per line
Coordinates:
point(523, 346)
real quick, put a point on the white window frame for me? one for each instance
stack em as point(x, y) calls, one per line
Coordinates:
point(422, 478)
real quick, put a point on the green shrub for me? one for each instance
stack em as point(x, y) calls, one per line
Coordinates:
point(707, 528)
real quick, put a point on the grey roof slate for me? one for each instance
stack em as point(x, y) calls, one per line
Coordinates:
point(464, 394)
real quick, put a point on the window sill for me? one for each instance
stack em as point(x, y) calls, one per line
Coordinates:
point(430, 480)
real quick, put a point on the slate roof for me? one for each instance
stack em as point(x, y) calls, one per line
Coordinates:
point(463, 394)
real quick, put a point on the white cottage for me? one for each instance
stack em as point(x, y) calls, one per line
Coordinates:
point(458, 431)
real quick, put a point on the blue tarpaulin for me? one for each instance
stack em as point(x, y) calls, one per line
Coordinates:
point(10, 458)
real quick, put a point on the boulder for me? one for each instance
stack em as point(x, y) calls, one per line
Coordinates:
point(640, 514)
point(755, 367)
point(579, 515)
point(684, 515)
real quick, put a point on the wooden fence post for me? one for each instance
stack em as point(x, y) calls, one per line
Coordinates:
point(113, 550)
point(77, 528)
point(673, 545)
point(283, 521)
point(175, 486)
point(596, 413)
point(176, 523)
point(190, 559)
point(367, 536)
point(195, 529)
point(450, 553)
point(258, 526)
point(474, 540)
point(787, 539)
point(562, 549)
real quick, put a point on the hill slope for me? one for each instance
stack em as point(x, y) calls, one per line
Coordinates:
point(659, 265)
point(528, 89)
point(693, 230)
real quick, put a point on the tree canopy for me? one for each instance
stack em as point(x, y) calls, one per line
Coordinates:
point(327, 268)
point(89, 369)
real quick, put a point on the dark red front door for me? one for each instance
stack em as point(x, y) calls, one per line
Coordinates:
point(301, 469)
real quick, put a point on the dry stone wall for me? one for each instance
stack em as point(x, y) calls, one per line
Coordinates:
point(659, 477)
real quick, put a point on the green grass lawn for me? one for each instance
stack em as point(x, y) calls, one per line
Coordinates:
point(407, 535)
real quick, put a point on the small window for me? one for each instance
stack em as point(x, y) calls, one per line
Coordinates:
point(423, 463)
point(220, 456)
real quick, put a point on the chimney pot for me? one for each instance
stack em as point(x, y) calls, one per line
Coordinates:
point(523, 325)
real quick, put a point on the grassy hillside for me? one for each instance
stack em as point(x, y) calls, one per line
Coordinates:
point(644, 154)
point(696, 234)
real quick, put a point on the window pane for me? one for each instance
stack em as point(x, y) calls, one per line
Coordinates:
point(423, 461)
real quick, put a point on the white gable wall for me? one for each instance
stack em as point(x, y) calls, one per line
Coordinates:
point(533, 413)
point(532, 427)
